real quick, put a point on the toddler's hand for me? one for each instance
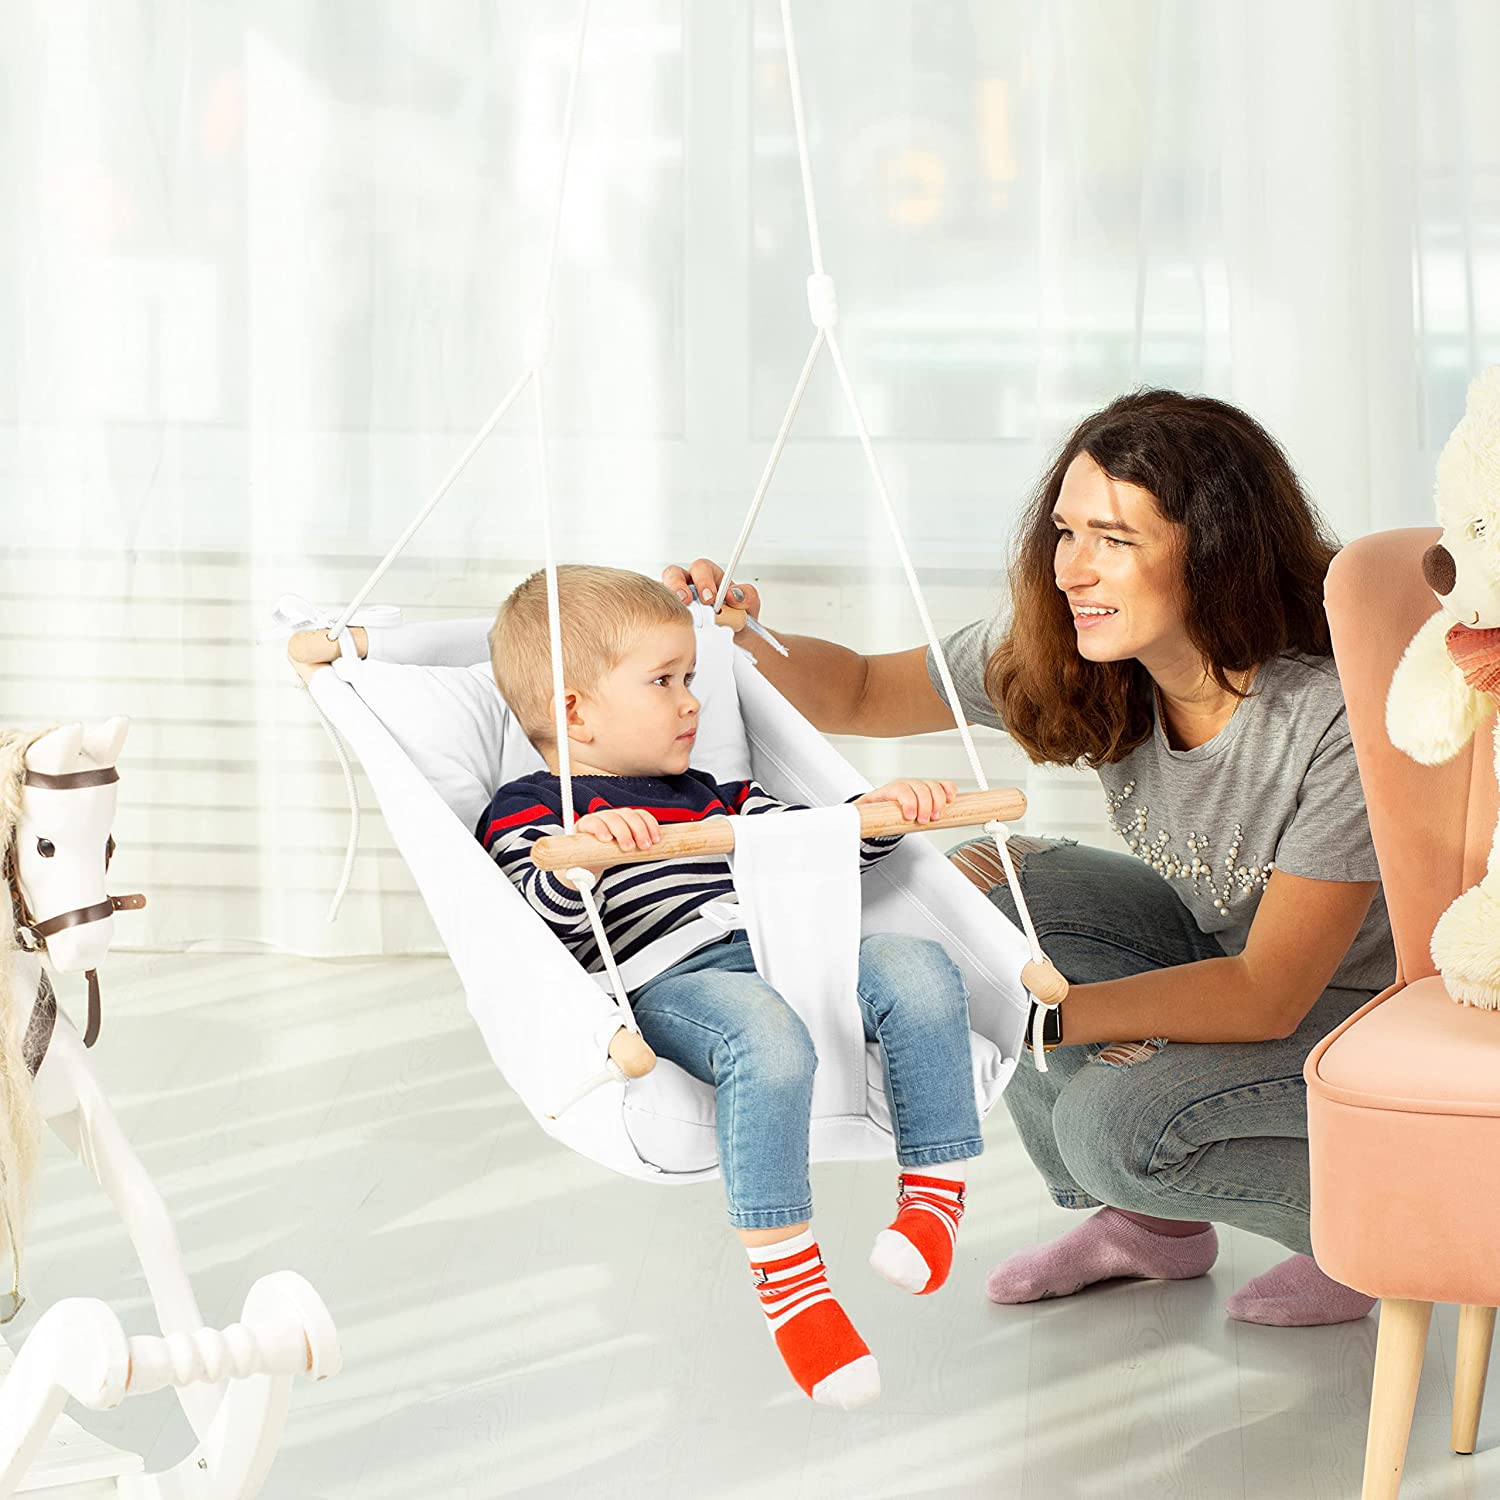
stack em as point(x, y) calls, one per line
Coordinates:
point(308, 650)
point(919, 801)
point(629, 827)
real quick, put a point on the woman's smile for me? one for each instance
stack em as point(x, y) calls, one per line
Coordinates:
point(1090, 616)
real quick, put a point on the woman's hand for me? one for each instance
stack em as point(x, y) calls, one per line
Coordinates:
point(702, 580)
point(919, 801)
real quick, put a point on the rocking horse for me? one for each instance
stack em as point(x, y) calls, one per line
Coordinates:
point(57, 802)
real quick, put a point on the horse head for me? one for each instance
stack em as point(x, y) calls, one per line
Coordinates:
point(63, 844)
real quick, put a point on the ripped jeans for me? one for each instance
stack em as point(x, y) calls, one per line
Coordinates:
point(1187, 1130)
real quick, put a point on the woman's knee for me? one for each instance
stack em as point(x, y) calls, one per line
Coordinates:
point(1102, 1122)
point(978, 860)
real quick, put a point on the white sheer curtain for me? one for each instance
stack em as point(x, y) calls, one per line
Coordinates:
point(269, 265)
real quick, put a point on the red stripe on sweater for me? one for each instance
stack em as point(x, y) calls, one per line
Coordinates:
point(526, 815)
point(685, 814)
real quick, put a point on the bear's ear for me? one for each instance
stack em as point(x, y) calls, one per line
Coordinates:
point(1483, 404)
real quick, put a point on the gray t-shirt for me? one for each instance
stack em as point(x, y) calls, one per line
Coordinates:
point(1276, 788)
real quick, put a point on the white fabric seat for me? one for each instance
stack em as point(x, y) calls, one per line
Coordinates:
point(424, 717)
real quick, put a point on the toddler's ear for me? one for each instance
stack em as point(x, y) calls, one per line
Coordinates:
point(1430, 711)
point(576, 710)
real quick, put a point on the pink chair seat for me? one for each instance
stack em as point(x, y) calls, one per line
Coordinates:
point(1406, 1164)
point(1419, 1053)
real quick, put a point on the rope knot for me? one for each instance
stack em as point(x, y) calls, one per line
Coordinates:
point(823, 301)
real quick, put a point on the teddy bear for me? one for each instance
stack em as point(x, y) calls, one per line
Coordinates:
point(1448, 680)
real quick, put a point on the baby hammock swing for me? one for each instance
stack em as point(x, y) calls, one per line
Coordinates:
point(424, 716)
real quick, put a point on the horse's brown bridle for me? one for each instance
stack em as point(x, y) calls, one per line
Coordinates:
point(31, 934)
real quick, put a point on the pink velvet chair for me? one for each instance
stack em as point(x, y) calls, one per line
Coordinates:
point(1404, 1098)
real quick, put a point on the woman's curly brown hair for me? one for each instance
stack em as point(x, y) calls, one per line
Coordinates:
point(1255, 555)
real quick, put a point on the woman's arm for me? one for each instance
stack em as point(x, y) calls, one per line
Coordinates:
point(1301, 932)
point(838, 690)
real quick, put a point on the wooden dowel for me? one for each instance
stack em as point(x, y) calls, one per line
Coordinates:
point(716, 835)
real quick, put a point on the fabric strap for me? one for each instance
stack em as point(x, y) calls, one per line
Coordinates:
point(798, 881)
point(715, 920)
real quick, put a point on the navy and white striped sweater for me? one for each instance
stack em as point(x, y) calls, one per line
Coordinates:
point(638, 903)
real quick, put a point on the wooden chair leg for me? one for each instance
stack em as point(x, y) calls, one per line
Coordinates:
point(1476, 1327)
point(1398, 1368)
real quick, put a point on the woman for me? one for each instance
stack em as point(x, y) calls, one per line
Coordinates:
point(1166, 629)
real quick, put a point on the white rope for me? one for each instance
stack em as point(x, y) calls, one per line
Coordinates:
point(934, 642)
point(804, 151)
point(539, 353)
point(823, 307)
point(777, 448)
point(449, 480)
point(545, 302)
point(583, 880)
point(554, 606)
point(351, 794)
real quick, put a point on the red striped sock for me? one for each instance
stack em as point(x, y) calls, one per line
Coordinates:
point(916, 1251)
point(825, 1355)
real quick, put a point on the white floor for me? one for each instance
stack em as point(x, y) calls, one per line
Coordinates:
point(518, 1322)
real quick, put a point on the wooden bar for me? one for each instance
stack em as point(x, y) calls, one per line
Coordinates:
point(715, 835)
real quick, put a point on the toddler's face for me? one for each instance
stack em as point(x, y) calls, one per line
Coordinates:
point(642, 718)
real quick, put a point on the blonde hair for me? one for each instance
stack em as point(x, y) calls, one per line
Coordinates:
point(602, 611)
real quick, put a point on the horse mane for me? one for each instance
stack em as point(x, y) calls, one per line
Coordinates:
point(19, 1136)
point(13, 747)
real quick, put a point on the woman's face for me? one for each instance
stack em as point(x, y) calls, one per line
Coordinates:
point(1119, 561)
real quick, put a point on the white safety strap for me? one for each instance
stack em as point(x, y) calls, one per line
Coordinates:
point(798, 884)
point(797, 879)
point(712, 921)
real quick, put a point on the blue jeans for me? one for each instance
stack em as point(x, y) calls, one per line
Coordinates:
point(1213, 1131)
point(713, 1015)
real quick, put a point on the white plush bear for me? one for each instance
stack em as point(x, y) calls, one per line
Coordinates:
point(1448, 680)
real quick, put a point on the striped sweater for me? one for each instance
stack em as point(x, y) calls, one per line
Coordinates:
point(638, 903)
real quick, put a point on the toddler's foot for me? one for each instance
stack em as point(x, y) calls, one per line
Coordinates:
point(1106, 1246)
point(1296, 1294)
point(916, 1251)
point(825, 1355)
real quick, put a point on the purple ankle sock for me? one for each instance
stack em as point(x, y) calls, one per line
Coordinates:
point(1296, 1294)
point(1105, 1246)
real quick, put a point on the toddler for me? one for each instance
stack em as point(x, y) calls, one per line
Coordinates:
point(628, 655)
